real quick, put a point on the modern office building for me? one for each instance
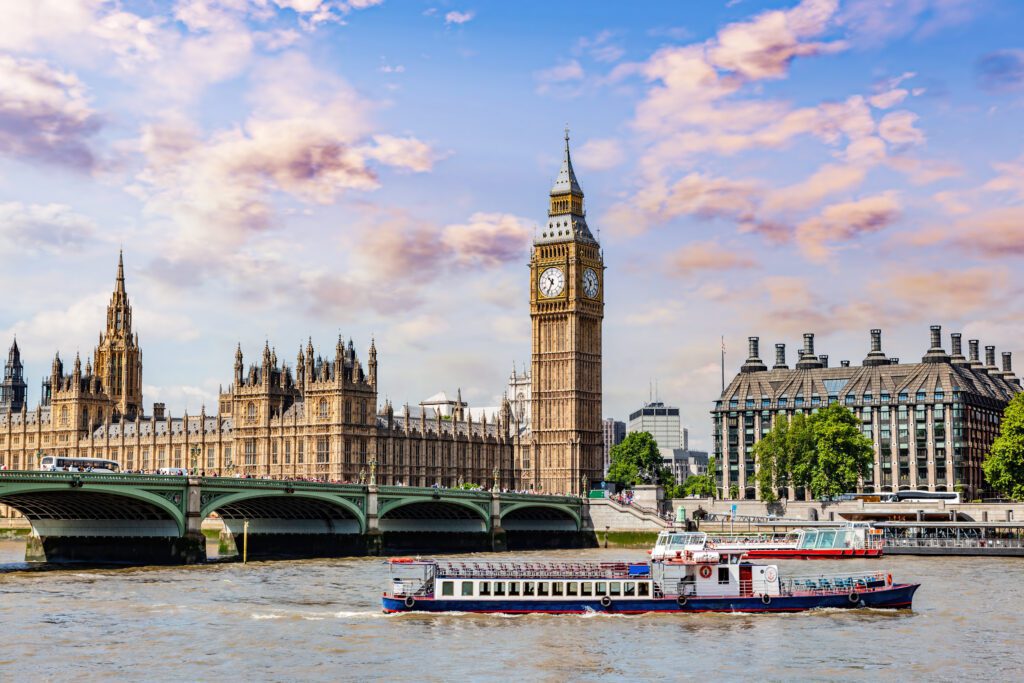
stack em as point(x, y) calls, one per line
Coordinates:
point(931, 423)
point(660, 421)
point(614, 433)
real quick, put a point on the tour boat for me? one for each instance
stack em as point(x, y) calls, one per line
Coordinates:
point(701, 580)
point(852, 540)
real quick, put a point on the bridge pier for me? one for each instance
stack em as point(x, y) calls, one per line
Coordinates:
point(499, 539)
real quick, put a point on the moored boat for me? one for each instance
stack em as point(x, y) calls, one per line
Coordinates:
point(705, 580)
point(831, 543)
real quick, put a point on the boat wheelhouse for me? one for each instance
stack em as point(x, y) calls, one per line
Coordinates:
point(702, 581)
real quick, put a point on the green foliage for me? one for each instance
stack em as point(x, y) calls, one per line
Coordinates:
point(734, 491)
point(800, 450)
point(637, 460)
point(1004, 464)
point(772, 454)
point(842, 453)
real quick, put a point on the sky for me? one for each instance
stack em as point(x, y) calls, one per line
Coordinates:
point(282, 169)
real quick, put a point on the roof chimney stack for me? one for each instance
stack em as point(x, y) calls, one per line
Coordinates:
point(1008, 369)
point(990, 360)
point(972, 345)
point(824, 360)
point(844, 363)
point(753, 362)
point(957, 357)
point(808, 360)
point(935, 354)
point(780, 357)
point(875, 357)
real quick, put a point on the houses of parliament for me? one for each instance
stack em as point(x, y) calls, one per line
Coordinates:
point(320, 418)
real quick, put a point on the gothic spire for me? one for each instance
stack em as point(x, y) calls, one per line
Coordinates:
point(566, 215)
point(120, 272)
point(566, 182)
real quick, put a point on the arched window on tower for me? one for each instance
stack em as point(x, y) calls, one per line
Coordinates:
point(323, 407)
point(250, 411)
point(64, 415)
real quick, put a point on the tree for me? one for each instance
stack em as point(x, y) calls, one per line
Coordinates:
point(842, 454)
point(800, 451)
point(701, 484)
point(772, 456)
point(1004, 464)
point(637, 460)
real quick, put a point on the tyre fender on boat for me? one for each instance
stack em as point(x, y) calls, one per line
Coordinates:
point(681, 601)
point(766, 599)
point(410, 601)
point(606, 602)
point(853, 597)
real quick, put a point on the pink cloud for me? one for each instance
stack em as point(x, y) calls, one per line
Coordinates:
point(993, 234)
point(708, 256)
point(487, 240)
point(45, 114)
point(846, 222)
point(898, 128)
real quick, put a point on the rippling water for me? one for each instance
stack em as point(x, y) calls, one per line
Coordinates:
point(321, 620)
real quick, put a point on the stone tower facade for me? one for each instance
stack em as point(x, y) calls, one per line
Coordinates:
point(12, 391)
point(117, 360)
point(566, 311)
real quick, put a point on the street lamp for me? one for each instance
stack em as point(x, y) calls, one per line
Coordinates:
point(194, 452)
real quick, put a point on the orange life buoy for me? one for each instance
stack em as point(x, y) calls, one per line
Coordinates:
point(401, 560)
point(705, 572)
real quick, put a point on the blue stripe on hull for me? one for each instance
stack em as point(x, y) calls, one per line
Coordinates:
point(894, 597)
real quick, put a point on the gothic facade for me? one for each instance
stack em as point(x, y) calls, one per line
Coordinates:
point(321, 418)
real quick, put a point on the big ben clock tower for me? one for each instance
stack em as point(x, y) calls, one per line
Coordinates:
point(566, 310)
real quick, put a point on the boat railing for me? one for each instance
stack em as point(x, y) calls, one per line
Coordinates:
point(536, 570)
point(824, 584)
point(927, 542)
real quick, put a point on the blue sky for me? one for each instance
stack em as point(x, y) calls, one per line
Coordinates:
point(279, 169)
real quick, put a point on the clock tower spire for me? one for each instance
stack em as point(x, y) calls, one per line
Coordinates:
point(566, 311)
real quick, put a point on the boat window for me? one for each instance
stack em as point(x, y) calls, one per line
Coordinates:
point(643, 589)
point(499, 588)
point(614, 588)
point(572, 588)
point(542, 588)
point(513, 588)
point(723, 575)
point(529, 588)
point(447, 588)
point(485, 588)
point(629, 589)
point(826, 539)
point(809, 539)
point(735, 559)
point(586, 588)
point(467, 589)
point(557, 588)
point(723, 559)
point(600, 588)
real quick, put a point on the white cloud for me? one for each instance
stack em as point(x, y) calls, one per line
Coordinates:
point(53, 228)
point(600, 154)
point(455, 17)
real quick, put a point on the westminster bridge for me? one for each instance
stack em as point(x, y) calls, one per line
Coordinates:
point(156, 519)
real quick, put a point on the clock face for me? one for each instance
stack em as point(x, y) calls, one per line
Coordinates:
point(552, 282)
point(590, 283)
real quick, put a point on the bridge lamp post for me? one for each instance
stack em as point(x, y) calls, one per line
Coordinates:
point(194, 452)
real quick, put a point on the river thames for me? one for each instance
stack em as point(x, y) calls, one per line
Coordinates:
point(321, 620)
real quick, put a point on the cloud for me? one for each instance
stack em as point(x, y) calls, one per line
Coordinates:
point(898, 128)
point(708, 256)
point(600, 47)
point(455, 17)
point(29, 25)
point(874, 22)
point(1001, 71)
point(993, 234)
point(487, 240)
point(600, 154)
point(1010, 179)
point(846, 222)
point(560, 73)
point(764, 46)
point(51, 228)
point(889, 98)
point(827, 180)
point(45, 114)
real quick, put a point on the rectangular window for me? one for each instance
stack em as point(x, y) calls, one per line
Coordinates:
point(542, 589)
point(529, 588)
point(723, 575)
point(558, 588)
point(643, 589)
point(629, 589)
point(301, 455)
point(467, 589)
point(287, 452)
point(513, 588)
point(250, 452)
point(600, 588)
point(586, 588)
point(448, 588)
point(499, 588)
point(323, 450)
point(572, 588)
point(614, 588)
point(485, 588)
point(161, 456)
point(211, 457)
point(177, 456)
point(227, 455)
point(273, 453)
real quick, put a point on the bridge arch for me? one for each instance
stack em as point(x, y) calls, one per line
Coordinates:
point(298, 505)
point(51, 504)
point(433, 514)
point(540, 516)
